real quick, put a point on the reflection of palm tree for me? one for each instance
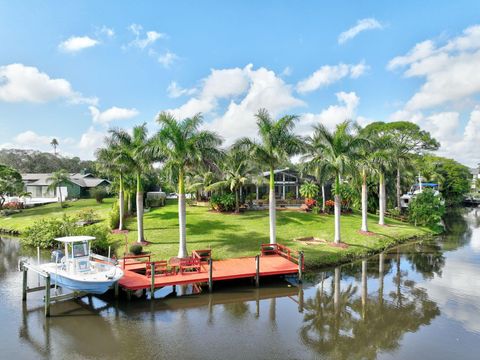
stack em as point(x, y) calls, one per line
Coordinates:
point(238, 309)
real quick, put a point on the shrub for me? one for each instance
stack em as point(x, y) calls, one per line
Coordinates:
point(98, 193)
point(290, 195)
point(223, 203)
point(309, 190)
point(316, 209)
point(114, 216)
point(136, 249)
point(87, 215)
point(426, 209)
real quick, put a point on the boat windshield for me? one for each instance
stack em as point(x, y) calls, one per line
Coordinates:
point(80, 249)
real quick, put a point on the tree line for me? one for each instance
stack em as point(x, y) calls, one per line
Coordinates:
point(380, 159)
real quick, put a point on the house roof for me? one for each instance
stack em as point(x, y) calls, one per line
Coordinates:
point(84, 181)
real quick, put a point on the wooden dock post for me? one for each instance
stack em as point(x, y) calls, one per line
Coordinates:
point(47, 295)
point(152, 285)
point(25, 282)
point(300, 266)
point(210, 275)
point(116, 289)
point(257, 270)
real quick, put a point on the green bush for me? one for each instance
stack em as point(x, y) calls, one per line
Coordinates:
point(426, 209)
point(43, 232)
point(223, 203)
point(114, 216)
point(136, 249)
point(87, 215)
point(98, 193)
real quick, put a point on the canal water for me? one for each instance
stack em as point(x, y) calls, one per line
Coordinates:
point(417, 301)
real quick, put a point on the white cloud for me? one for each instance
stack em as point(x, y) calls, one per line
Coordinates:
point(149, 39)
point(247, 90)
point(77, 43)
point(20, 83)
point(167, 59)
point(111, 114)
point(287, 71)
point(328, 74)
point(362, 25)
point(450, 71)
point(89, 142)
point(334, 114)
point(109, 32)
point(175, 91)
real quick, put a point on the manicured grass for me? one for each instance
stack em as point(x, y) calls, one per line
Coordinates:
point(22, 220)
point(231, 235)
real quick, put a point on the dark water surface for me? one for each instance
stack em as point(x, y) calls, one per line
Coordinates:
point(417, 301)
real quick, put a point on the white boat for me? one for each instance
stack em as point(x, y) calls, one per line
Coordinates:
point(415, 190)
point(81, 270)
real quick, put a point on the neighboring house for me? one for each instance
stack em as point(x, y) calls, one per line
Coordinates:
point(78, 186)
point(287, 184)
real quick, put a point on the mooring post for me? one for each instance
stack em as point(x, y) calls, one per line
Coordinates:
point(116, 289)
point(210, 275)
point(47, 295)
point(152, 286)
point(257, 270)
point(300, 266)
point(25, 282)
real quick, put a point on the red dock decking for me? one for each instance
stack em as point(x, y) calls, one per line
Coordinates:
point(229, 269)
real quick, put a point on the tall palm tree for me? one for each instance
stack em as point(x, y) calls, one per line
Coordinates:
point(185, 147)
point(56, 180)
point(277, 143)
point(236, 169)
point(113, 160)
point(340, 149)
point(54, 143)
point(382, 160)
point(135, 153)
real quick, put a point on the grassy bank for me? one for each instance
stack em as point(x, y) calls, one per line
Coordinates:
point(232, 235)
point(25, 218)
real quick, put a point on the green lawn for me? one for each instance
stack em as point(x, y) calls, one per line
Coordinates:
point(230, 235)
point(22, 220)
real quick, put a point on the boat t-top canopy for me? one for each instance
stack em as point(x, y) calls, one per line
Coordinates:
point(73, 239)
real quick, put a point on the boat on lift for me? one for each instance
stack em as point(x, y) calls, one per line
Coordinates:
point(79, 269)
point(416, 189)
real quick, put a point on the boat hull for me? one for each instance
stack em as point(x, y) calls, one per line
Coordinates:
point(92, 287)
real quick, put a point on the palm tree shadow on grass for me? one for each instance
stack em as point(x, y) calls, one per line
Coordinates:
point(210, 226)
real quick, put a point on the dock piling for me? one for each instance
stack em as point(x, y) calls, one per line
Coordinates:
point(25, 282)
point(300, 266)
point(210, 275)
point(257, 270)
point(47, 295)
point(152, 286)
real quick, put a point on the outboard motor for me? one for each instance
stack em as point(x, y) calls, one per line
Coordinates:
point(56, 256)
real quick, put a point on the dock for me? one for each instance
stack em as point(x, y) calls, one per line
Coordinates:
point(274, 260)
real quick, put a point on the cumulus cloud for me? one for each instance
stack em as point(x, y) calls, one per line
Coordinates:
point(329, 74)
point(450, 71)
point(20, 83)
point(332, 115)
point(144, 40)
point(77, 43)
point(361, 25)
point(111, 114)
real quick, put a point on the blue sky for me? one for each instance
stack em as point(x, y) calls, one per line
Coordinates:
point(71, 70)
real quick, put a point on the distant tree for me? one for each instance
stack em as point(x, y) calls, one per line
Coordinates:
point(426, 208)
point(54, 143)
point(56, 180)
point(10, 183)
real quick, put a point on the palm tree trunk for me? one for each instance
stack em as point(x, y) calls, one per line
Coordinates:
point(237, 202)
point(364, 202)
point(129, 203)
point(60, 194)
point(323, 198)
point(399, 190)
point(338, 209)
point(382, 203)
point(121, 203)
point(271, 207)
point(182, 249)
point(140, 237)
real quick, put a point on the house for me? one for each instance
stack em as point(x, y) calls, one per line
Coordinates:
point(78, 185)
point(287, 184)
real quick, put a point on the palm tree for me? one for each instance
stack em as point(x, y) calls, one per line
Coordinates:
point(134, 152)
point(364, 166)
point(236, 169)
point(382, 161)
point(58, 178)
point(113, 160)
point(185, 147)
point(309, 190)
point(339, 148)
point(277, 143)
point(54, 143)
